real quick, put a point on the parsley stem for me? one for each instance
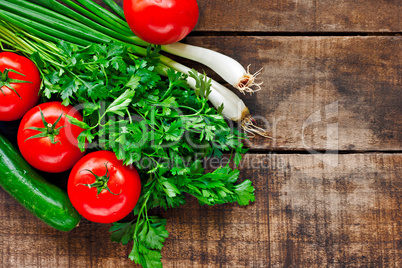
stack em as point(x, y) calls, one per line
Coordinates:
point(145, 118)
point(166, 92)
point(129, 116)
point(188, 108)
point(144, 207)
point(21, 43)
point(16, 41)
point(106, 76)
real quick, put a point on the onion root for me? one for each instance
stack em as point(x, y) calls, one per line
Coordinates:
point(247, 83)
point(248, 124)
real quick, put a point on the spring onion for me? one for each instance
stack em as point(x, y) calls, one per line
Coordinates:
point(226, 67)
point(50, 25)
point(233, 107)
point(155, 124)
point(115, 7)
point(223, 99)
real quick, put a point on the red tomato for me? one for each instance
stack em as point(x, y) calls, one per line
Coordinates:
point(161, 22)
point(15, 103)
point(52, 145)
point(102, 189)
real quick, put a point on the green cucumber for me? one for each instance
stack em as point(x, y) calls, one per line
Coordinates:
point(43, 199)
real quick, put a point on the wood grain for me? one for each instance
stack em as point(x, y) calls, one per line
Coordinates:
point(348, 215)
point(314, 85)
point(298, 16)
point(321, 93)
point(306, 214)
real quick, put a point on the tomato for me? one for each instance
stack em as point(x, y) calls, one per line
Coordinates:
point(19, 83)
point(161, 22)
point(50, 143)
point(102, 189)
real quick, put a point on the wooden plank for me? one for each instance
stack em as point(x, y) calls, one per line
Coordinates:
point(314, 85)
point(307, 214)
point(25, 241)
point(298, 16)
point(312, 214)
point(343, 216)
point(321, 93)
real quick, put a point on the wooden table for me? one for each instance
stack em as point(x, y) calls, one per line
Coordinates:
point(328, 184)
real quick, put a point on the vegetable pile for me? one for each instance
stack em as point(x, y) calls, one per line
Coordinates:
point(133, 127)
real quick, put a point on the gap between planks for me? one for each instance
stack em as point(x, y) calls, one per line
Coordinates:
point(304, 152)
point(296, 34)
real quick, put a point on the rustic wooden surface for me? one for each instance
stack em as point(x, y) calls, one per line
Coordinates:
point(300, 16)
point(328, 184)
point(297, 16)
point(357, 78)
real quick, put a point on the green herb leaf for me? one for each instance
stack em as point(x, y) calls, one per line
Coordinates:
point(121, 103)
point(149, 242)
point(122, 232)
point(155, 123)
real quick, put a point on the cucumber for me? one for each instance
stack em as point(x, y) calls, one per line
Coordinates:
point(43, 199)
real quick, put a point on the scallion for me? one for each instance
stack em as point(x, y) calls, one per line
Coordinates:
point(78, 29)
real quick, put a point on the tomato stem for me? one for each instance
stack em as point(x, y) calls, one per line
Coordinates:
point(101, 182)
point(48, 130)
point(4, 75)
point(7, 81)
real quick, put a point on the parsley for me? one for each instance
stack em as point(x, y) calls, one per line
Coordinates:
point(158, 124)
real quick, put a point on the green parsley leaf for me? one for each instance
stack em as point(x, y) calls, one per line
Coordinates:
point(158, 124)
point(121, 103)
point(122, 232)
